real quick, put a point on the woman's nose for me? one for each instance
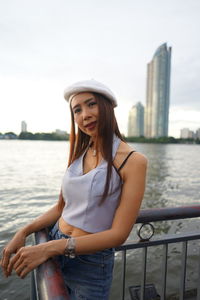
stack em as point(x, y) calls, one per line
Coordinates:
point(86, 114)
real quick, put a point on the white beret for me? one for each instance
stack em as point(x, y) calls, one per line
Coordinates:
point(89, 86)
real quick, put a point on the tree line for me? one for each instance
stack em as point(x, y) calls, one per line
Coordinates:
point(43, 136)
point(162, 140)
point(54, 136)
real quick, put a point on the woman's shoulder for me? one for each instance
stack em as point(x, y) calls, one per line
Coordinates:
point(135, 159)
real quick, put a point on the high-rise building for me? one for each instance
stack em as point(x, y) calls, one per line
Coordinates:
point(198, 133)
point(23, 126)
point(136, 120)
point(186, 133)
point(61, 132)
point(157, 95)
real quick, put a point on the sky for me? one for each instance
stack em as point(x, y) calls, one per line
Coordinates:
point(46, 45)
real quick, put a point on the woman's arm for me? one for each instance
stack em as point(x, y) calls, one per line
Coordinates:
point(19, 239)
point(133, 175)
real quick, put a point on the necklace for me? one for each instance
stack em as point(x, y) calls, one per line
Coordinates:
point(94, 151)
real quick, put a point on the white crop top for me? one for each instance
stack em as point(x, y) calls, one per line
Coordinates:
point(82, 195)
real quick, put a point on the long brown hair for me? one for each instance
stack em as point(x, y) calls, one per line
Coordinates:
point(107, 126)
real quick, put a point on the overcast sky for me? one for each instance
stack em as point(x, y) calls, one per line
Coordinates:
point(46, 45)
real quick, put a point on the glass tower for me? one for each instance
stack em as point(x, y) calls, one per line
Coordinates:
point(136, 120)
point(157, 97)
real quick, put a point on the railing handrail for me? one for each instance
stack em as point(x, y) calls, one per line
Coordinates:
point(48, 280)
point(169, 239)
point(169, 213)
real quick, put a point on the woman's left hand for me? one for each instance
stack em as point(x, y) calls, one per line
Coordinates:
point(27, 259)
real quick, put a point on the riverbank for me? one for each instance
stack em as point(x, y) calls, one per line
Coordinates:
point(162, 140)
point(54, 136)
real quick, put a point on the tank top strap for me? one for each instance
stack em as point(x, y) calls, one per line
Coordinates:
point(125, 160)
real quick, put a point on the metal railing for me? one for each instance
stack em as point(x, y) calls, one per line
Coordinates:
point(47, 281)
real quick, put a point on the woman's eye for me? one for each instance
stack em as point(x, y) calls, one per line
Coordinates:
point(92, 103)
point(77, 110)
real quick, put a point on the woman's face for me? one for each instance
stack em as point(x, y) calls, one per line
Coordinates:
point(86, 111)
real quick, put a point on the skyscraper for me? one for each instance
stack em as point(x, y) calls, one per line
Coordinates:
point(186, 133)
point(158, 90)
point(23, 126)
point(136, 120)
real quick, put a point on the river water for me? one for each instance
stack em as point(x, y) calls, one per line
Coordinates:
point(30, 179)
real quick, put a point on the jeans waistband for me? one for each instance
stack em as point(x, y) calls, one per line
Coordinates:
point(55, 229)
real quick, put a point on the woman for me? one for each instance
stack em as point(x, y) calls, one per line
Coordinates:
point(99, 201)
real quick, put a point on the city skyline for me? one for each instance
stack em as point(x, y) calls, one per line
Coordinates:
point(44, 50)
point(136, 114)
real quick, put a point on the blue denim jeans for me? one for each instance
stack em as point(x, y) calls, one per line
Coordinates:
point(87, 277)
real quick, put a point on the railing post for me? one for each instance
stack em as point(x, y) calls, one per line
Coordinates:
point(183, 270)
point(123, 273)
point(198, 286)
point(164, 272)
point(143, 278)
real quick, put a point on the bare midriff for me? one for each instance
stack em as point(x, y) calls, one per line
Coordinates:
point(68, 229)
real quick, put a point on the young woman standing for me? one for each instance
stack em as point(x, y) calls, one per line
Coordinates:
point(99, 201)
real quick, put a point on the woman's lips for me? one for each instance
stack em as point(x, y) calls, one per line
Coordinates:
point(91, 125)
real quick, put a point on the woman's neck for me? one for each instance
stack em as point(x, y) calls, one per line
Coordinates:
point(94, 147)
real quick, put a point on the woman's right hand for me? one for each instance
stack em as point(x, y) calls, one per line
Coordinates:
point(12, 247)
